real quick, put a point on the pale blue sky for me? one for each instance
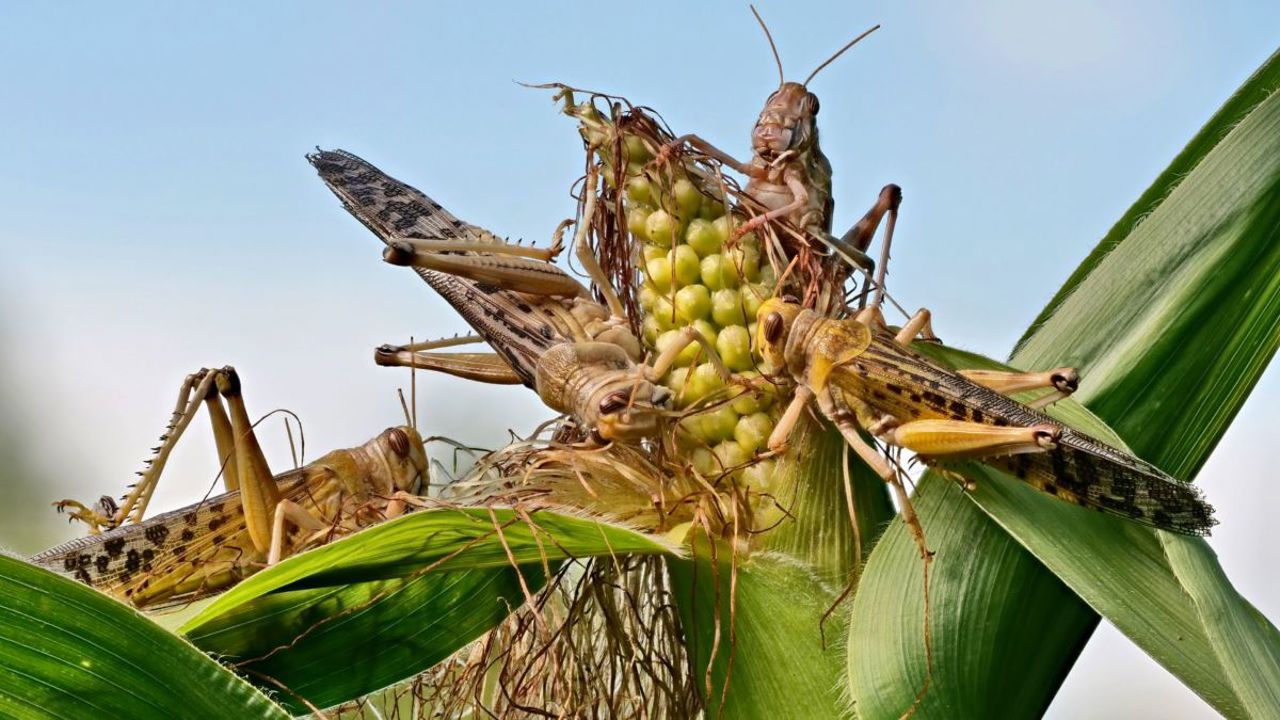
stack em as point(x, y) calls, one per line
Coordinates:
point(158, 214)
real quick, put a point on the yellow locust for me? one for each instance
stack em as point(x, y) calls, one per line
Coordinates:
point(204, 548)
point(865, 378)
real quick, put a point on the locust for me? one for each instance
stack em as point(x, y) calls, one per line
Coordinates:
point(865, 378)
point(204, 548)
point(546, 329)
point(790, 177)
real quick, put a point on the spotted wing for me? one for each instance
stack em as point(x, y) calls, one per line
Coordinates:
point(514, 328)
point(173, 557)
point(1081, 470)
point(388, 207)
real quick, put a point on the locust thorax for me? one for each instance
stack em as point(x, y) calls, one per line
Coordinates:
point(785, 147)
point(603, 388)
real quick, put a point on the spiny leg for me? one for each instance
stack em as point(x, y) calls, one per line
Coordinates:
point(422, 245)
point(195, 388)
point(1063, 380)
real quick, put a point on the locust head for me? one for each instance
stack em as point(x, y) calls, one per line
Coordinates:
point(399, 459)
point(776, 318)
point(787, 123)
point(627, 410)
point(603, 388)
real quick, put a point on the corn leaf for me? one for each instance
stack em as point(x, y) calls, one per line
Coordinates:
point(67, 651)
point(1171, 321)
point(354, 616)
point(754, 635)
point(816, 527)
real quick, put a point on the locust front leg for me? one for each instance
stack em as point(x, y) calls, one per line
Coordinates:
point(706, 148)
point(665, 359)
point(800, 194)
point(847, 424)
point(582, 248)
point(918, 327)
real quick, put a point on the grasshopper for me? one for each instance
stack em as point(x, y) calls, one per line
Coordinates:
point(789, 175)
point(206, 547)
point(548, 332)
point(865, 378)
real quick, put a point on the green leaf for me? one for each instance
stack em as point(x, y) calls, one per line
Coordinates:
point(356, 615)
point(1171, 321)
point(992, 657)
point(68, 651)
point(757, 626)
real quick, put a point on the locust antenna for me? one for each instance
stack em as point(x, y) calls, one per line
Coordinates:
point(413, 389)
point(404, 407)
point(781, 78)
point(839, 52)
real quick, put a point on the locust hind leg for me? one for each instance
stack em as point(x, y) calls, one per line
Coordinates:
point(486, 264)
point(259, 494)
point(1063, 381)
point(196, 387)
point(961, 439)
point(859, 237)
point(488, 368)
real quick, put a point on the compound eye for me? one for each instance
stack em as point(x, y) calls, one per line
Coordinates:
point(613, 402)
point(813, 103)
point(399, 441)
point(773, 327)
